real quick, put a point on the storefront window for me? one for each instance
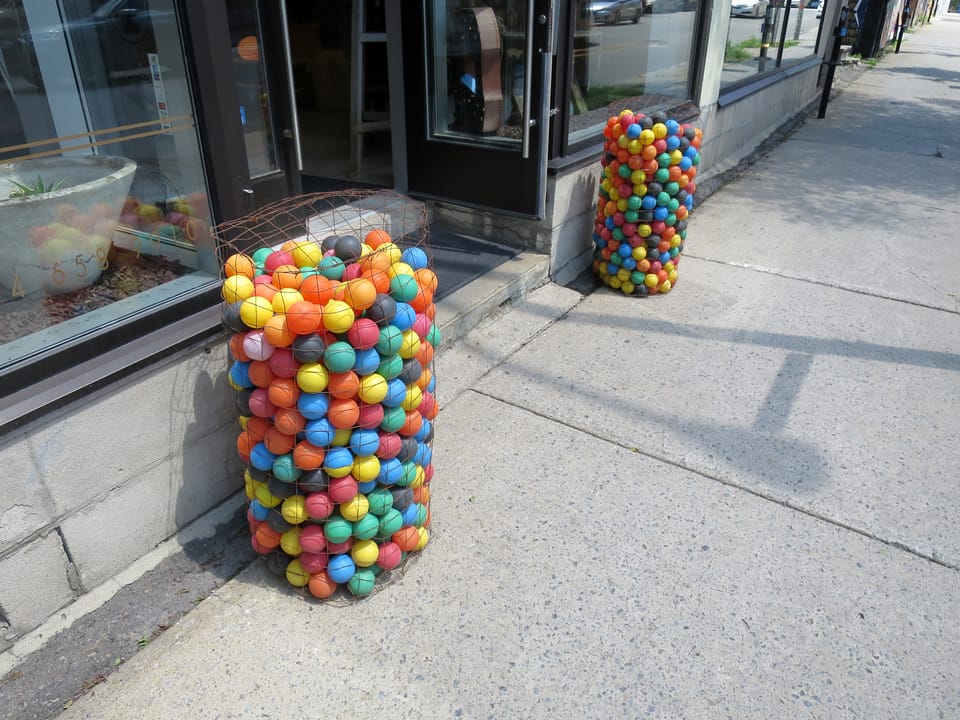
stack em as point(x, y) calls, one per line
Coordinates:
point(765, 35)
point(103, 206)
point(636, 50)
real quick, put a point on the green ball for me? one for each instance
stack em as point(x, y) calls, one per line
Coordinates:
point(390, 523)
point(671, 188)
point(393, 418)
point(337, 529)
point(284, 469)
point(339, 357)
point(362, 582)
point(331, 267)
point(260, 256)
point(433, 337)
point(390, 341)
point(380, 501)
point(403, 288)
point(366, 527)
point(662, 175)
point(390, 367)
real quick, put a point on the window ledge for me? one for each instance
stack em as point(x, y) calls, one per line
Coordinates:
point(728, 96)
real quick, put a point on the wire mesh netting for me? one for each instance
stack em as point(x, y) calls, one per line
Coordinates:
point(329, 310)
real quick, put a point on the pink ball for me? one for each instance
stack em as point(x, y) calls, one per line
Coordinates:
point(283, 363)
point(276, 259)
point(629, 229)
point(263, 280)
point(390, 444)
point(428, 473)
point(635, 241)
point(256, 346)
point(340, 548)
point(389, 556)
point(352, 272)
point(363, 334)
point(655, 266)
point(421, 325)
point(618, 219)
point(625, 190)
point(657, 227)
point(370, 416)
point(342, 489)
point(260, 404)
point(313, 563)
point(660, 145)
point(318, 506)
point(312, 539)
point(427, 403)
point(605, 233)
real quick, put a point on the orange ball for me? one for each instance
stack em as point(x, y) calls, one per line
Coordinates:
point(380, 280)
point(277, 332)
point(375, 261)
point(283, 392)
point(411, 426)
point(376, 238)
point(421, 300)
point(406, 538)
point(278, 443)
point(239, 264)
point(321, 586)
point(288, 420)
point(343, 413)
point(245, 444)
point(260, 373)
point(317, 289)
point(268, 537)
point(425, 353)
point(287, 276)
point(422, 495)
point(303, 317)
point(360, 293)
point(236, 348)
point(307, 456)
point(426, 278)
point(424, 380)
point(257, 427)
point(343, 385)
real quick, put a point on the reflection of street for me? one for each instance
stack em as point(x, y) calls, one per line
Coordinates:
point(801, 44)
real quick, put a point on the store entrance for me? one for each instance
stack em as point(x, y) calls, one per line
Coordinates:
point(338, 55)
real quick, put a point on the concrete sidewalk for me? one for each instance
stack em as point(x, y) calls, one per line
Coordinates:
point(737, 500)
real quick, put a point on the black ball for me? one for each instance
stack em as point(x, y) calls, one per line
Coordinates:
point(646, 122)
point(402, 497)
point(653, 240)
point(408, 448)
point(658, 117)
point(684, 143)
point(428, 438)
point(311, 481)
point(243, 401)
point(347, 248)
point(308, 348)
point(329, 242)
point(690, 133)
point(279, 488)
point(277, 562)
point(680, 226)
point(230, 317)
point(276, 522)
point(383, 310)
point(645, 216)
point(412, 370)
point(258, 475)
point(681, 196)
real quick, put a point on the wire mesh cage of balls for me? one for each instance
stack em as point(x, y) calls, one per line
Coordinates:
point(645, 197)
point(329, 319)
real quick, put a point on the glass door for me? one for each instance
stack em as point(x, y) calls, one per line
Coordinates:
point(477, 82)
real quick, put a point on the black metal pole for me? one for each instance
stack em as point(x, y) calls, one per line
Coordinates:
point(904, 20)
point(838, 32)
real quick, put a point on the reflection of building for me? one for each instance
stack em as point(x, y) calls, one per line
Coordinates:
point(116, 412)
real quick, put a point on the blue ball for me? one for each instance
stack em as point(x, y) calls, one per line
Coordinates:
point(240, 374)
point(673, 127)
point(396, 393)
point(423, 456)
point(364, 442)
point(634, 130)
point(649, 202)
point(673, 142)
point(367, 361)
point(313, 406)
point(391, 470)
point(610, 223)
point(341, 568)
point(629, 263)
point(337, 458)
point(320, 432)
point(685, 163)
point(261, 458)
point(424, 432)
point(405, 316)
point(367, 487)
point(415, 258)
point(624, 250)
point(660, 213)
point(612, 269)
point(410, 514)
point(260, 511)
point(432, 385)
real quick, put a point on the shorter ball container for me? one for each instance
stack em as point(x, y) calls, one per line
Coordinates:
point(331, 344)
point(647, 184)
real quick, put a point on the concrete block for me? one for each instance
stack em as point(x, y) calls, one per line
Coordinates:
point(34, 583)
point(572, 193)
point(572, 248)
point(25, 506)
point(118, 434)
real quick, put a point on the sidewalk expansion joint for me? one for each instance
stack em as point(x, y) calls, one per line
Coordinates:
point(836, 286)
point(731, 484)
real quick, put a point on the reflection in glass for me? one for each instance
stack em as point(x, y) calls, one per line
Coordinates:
point(637, 52)
point(763, 36)
point(103, 205)
point(476, 56)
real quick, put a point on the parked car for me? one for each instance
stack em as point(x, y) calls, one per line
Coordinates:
point(820, 7)
point(611, 12)
point(748, 8)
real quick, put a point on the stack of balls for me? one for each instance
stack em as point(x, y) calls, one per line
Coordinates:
point(646, 195)
point(332, 348)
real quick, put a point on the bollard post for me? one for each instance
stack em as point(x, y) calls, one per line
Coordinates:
point(904, 21)
point(838, 33)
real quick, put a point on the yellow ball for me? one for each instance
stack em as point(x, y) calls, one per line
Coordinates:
point(365, 552)
point(373, 388)
point(412, 399)
point(399, 268)
point(628, 288)
point(338, 316)
point(255, 311)
point(296, 575)
point(659, 131)
point(294, 509)
point(410, 344)
point(312, 377)
point(341, 438)
point(365, 468)
point(647, 137)
point(391, 251)
point(623, 275)
point(307, 254)
point(356, 508)
point(284, 298)
point(639, 253)
point(248, 487)
point(665, 286)
point(236, 288)
point(290, 541)
point(423, 539)
point(419, 476)
point(265, 497)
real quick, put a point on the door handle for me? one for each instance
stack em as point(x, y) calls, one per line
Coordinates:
point(288, 61)
point(546, 53)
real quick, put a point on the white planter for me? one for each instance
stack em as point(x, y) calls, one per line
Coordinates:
point(58, 242)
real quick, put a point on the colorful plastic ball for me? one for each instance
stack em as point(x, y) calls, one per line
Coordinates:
point(363, 334)
point(393, 417)
point(255, 311)
point(308, 348)
point(285, 469)
point(372, 388)
point(313, 563)
point(379, 501)
point(391, 521)
point(389, 555)
point(365, 468)
point(364, 553)
point(312, 377)
point(410, 344)
point(366, 527)
point(423, 537)
point(259, 510)
point(364, 442)
point(388, 445)
point(337, 529)
point(318, 506)
point(341, 568)
point(391, 367)
point(383, 310)
point(239, 264)
point(260, 404)
point(331, 267)
point(338, 316)
point(391, 472)
point(367, 361)
point(236, 288)
point(343, 413)
point(290, 541)
point(256, 347)
point(313, 406)
point(282, 363)
point(362, 582)
point(369, 416)
point(347, 248)
point(339, 357)
point(343, 385)
point(338, 462)
point(321, 585)
point(355, 508)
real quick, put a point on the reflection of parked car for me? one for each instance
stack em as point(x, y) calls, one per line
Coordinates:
point(668, 6)
point(820, 7)
point(748, 8)
point(610, 12)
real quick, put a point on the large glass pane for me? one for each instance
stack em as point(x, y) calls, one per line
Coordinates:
point(476, 64)
point(636, 50)
point(103, 205)
point(250, 76)
point(755, 34)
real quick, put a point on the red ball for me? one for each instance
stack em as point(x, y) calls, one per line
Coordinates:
point(363, 334)
point(342, 489)
point(276, 259)
point(369, 417)
point(340, 548)
point(260, 404)
point(318, 506)
point(283, 363)
point(313, 563)
point(390, 444)
point(390, 555)
point(312, 539)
